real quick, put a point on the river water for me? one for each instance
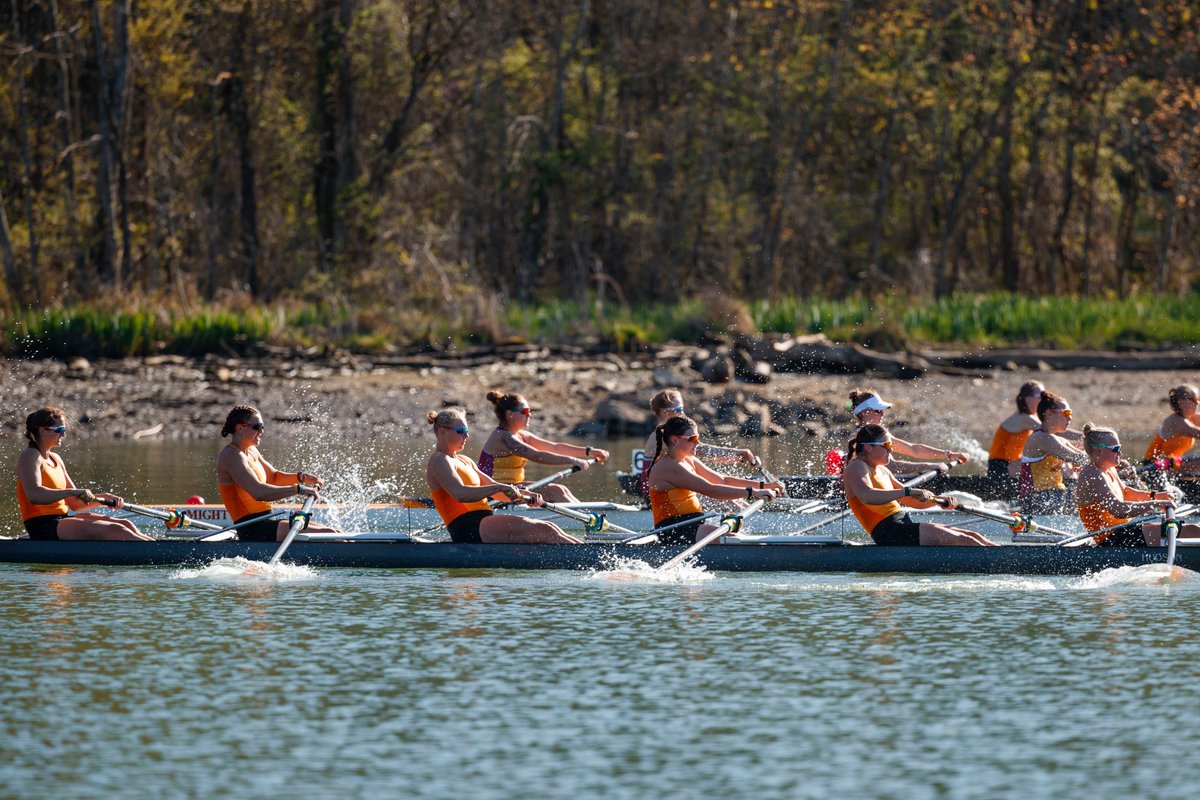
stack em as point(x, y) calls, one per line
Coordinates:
point(448, 684)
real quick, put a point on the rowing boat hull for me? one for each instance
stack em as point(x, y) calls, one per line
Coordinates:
point(1005, 560)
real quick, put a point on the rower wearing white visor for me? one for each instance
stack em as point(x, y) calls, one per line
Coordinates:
point(868, 408)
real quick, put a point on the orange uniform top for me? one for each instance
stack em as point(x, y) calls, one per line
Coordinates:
point(54, 476)
point(1174, 447)
point(450, 509)
point(238, 501)
point(1008, 446)
point(673, 502)
point(868, 515)
point(1095, 516)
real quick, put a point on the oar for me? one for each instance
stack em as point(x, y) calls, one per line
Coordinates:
point(212, 536)
point(1171, 526)
point(299, 522)
point(915, 482)
point(653, 535)
point(1017, 523)
point(729, 524)
point(1135, 521)
point(173, 518)
point(549, 479)
point(591, 521)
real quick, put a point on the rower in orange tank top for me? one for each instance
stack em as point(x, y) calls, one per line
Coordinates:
point(1174, 437)
point(677, 478)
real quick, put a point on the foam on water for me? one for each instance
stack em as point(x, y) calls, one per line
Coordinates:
point(631, 569)
point(1145, 575)
point(244, 569)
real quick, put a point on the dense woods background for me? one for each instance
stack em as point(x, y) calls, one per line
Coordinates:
point(437, 156)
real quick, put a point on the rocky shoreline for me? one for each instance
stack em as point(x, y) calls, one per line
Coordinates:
point(581, 393)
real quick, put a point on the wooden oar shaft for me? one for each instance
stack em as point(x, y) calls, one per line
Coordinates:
point(721, 530)
point(298, 523)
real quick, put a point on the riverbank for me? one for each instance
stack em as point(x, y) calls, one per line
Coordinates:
point(171, 398)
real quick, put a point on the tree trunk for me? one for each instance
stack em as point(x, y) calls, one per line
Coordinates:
point(118, 100)
point(6, 250)
point(104, 172)
point(65, 126)
point(325, 178)
point(27, 180)
point(239, 109)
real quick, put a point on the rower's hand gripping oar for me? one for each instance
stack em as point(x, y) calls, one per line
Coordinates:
point(729, 524)
point(300, 521)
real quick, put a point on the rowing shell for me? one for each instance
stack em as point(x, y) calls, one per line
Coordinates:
point(782, 519)
point(828, 556)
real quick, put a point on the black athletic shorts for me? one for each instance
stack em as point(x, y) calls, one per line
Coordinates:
point(264, 530)
point(44, 528)
point(684, 534)
point(1124, 536)
point(464, 529)
point(898, 530)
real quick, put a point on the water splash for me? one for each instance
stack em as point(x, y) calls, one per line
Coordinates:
point(244, 569)
point(623, 568)
point(1144, 575)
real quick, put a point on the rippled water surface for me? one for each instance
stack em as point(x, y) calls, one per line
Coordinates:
point(343, 683)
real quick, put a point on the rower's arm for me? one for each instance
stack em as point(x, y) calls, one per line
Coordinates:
point(923, 452)
point(442, 471)
point(676, 474)
point(539, 451)
point(238, 469)
point(1052, 444)
point(856, 483)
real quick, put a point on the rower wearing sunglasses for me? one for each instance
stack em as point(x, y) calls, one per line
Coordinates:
point(461, 491)
point(248, 483)
point(669, 403)
point(53, 508)
point(1105, 500)
point(678, 477)
point(878, 500)
point(1048, 457)
point(510, 446)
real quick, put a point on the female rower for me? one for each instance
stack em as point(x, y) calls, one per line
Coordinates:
point(1047, 456)
point(869, 408)
point(1009, 440)
point(510, 446)
point(46, 493)
point(669, 403)
point(878, 499)
point(248, 483)
point(1105, 500)
point(461, 490)
point(677, 476)
point(1175, 436)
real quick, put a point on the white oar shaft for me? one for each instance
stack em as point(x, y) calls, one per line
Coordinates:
point(721, 530)
point(299, 522)
point(587, 519)
point(549, 479)
point(1009, 519)
point(1090, 534)
point(186, 521)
